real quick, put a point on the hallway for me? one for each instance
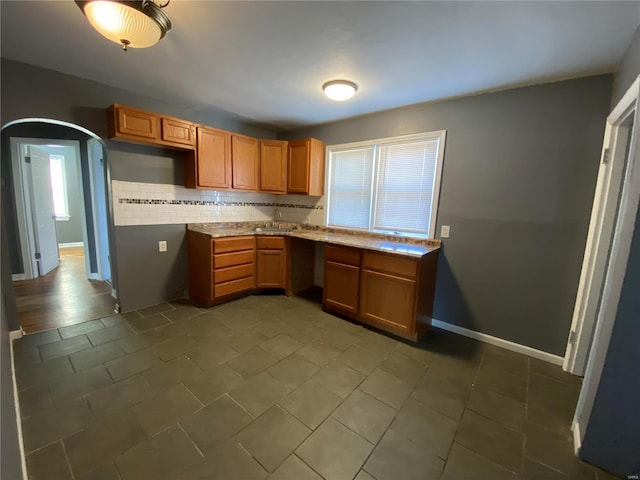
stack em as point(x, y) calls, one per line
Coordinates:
point(63, 296)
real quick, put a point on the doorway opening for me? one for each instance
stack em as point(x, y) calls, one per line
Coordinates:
point(616, 203)
point(59, 223)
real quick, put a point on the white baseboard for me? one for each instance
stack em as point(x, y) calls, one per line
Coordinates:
point(70, 245)
point(18, 276)
point(577, 438)
point(13, 335)
point(499, 342)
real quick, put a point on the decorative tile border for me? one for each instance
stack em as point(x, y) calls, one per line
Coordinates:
point(141, 201)
point(157, 204)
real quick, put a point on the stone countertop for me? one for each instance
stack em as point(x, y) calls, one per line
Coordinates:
point(364, 241)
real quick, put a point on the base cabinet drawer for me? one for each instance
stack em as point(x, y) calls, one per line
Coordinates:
point(234, 286)
point(223, 260)
point(221, 275)
point(233, 244)
point(387, 300)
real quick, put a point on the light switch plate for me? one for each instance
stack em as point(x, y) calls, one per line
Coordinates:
point(162, 246)
point(444, 231)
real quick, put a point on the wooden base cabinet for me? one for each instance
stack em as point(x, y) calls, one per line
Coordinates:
point(390, 292)
point(271, 262)
point(341, 280)
point(220, 268)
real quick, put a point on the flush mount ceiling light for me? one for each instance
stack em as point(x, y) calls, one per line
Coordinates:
point(135, 24)
point(339, 90)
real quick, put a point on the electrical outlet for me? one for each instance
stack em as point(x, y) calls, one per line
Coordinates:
point(162, 246)
point(444, 231)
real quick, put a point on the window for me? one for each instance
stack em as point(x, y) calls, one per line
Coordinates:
point(59, 187)
point(388, 185)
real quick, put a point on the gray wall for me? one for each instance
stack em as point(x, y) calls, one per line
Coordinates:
point(629, 68)
point(10, 464)
point(518, 181)
point(29, 91)
point(612, 437)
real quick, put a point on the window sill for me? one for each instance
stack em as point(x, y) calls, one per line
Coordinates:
point(62, 218)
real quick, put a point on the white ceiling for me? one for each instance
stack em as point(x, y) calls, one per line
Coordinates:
point(267, 60)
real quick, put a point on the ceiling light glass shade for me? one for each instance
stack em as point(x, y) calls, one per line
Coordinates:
point(339, 90)
point(138, 24)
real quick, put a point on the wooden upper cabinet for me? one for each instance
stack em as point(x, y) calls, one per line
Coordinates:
point(273, 166)
point(133, 123)
point(178, 131)
point(305, 172)
point(141, 126)
point(213, 158)
point(246, 165)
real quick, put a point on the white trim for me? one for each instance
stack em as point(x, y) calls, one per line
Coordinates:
point(71, 244)
point(599, 239)
point(577, 438)
point(14, 334)
point(16, 277)
point(618, 259)
point(499, 342)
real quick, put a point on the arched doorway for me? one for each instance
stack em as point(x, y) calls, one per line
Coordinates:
point(58, 222)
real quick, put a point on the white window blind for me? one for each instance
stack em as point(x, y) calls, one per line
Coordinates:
point(350, 194)
point(406, 174)
point(388, 185)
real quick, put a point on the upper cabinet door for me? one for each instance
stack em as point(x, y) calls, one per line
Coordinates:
point(273, 166)
point(178, 131)
point(214, 158)
point(305, 173)
point(246, 163)
point(137, 123)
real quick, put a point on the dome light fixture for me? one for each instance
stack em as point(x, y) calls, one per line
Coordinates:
point(339, 90)
point(135, 24)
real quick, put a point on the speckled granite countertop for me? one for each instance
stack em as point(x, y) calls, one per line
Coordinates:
point(369, 241)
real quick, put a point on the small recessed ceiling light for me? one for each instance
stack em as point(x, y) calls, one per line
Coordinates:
point(339, 90)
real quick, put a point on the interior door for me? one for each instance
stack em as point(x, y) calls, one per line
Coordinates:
point(99, 203)
point(44, 222)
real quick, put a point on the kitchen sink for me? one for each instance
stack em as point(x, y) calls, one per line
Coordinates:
point(272, 230)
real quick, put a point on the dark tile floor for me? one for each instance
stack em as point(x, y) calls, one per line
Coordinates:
point(273, 387)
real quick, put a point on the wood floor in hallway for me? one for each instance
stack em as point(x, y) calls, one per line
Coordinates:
point(62, 297)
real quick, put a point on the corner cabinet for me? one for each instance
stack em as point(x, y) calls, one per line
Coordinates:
point(387, 291)
point(271, 262)
point(273, 166)
point(305, 168)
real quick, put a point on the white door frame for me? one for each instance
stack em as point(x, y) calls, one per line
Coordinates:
point(600, 236)
point(23, 202)
point(99, 248)
point(617, 263)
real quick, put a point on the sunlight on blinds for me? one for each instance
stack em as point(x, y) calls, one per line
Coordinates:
point(56, 163)
point(350, 196)
point(406, 174)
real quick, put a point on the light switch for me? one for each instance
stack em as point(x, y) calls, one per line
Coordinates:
point(162, 246)
point(444, 231)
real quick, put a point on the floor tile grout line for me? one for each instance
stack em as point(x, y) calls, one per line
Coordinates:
point(455, 434)
point(66, 456)
point(179, 425)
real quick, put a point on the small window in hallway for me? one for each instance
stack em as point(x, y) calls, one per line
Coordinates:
point(59, 187)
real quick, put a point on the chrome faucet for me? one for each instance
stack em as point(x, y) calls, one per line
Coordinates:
point(278, 212)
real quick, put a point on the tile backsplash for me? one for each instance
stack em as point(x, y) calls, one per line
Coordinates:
point(156, 204)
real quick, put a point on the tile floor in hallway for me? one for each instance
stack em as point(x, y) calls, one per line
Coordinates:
point(273, 387)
